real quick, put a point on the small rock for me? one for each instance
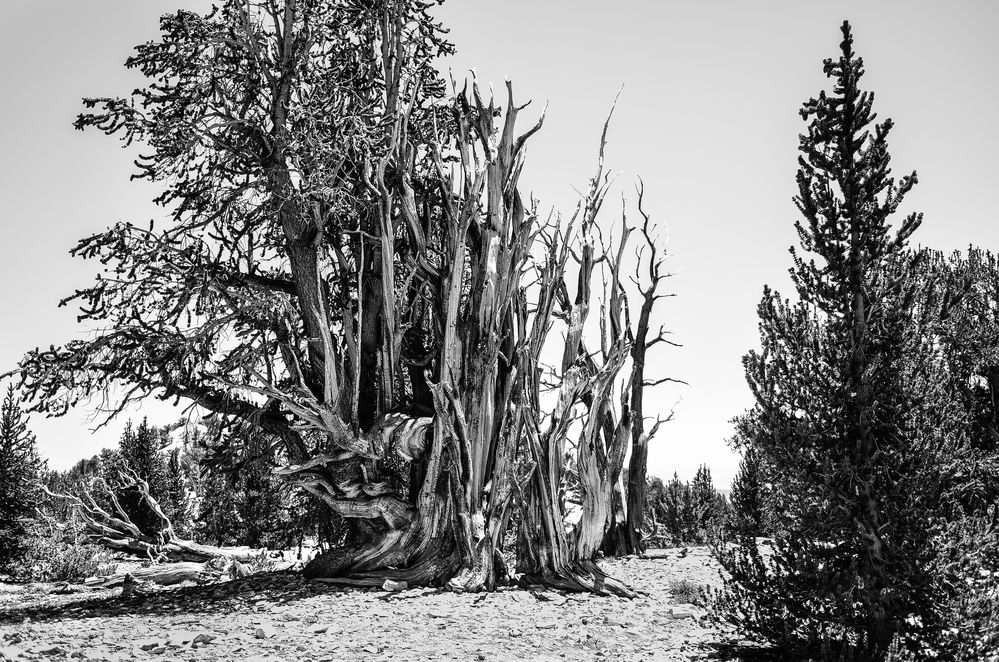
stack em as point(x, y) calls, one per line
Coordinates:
point(149, 645)
point(264, 632)
point(179, 639)
point(204, 638)
point(390, 585)
point(370, 649)
point(237, 570)
point(681, 611)
point(319, 629)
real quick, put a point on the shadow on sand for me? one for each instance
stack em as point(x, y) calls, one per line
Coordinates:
point(235, 595)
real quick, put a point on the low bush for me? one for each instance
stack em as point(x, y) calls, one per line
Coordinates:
point(52, 555)
point(684, 591)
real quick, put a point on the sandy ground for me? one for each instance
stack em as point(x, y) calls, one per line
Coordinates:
point(284, 617)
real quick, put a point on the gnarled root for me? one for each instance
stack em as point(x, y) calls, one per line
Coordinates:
point(585, 577)
point(400, 555)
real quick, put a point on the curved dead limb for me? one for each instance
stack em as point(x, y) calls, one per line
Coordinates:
point(115, 530)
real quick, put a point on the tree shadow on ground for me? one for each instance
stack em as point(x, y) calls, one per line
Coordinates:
point(742, 651)
point(238, 594)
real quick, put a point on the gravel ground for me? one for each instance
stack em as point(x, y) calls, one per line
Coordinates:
point(285, 617)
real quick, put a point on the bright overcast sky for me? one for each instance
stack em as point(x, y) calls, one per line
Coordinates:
point(708, 118)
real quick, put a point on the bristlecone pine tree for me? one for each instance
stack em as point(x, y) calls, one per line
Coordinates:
point(20, 469)
point(851, 409)
point(748, 497)
point(140, 456)
point(351, 271)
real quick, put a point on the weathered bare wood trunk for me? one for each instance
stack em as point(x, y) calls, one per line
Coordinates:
point(164, 575)
point(115, 530)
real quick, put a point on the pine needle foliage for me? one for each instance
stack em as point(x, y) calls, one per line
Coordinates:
point(852, 413)
point(20, 468)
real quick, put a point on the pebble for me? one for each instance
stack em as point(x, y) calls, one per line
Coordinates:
point(264, 632)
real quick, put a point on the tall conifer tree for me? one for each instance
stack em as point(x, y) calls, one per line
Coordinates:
point(140, 455)
point(20, 468)
point(841, 385)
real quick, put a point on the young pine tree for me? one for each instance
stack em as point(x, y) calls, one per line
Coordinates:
point(140, 455)
point(708, 505)
point(748, 497)
point(843, 386)
point(175, 496)
point(20, 469)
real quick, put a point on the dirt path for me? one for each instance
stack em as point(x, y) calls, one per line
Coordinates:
point(283, 617)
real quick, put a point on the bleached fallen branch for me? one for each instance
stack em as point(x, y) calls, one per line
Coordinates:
point(115, 530)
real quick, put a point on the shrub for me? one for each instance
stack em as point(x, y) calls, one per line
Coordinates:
point(52, 555)
point(684, 591)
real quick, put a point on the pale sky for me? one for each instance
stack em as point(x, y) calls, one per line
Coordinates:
point(708, 117)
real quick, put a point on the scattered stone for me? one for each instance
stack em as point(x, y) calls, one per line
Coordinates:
point(179, 639)
point(148, 645)
point(538, 624)
point(264, 632)
point(204, 638)
point(390, 585)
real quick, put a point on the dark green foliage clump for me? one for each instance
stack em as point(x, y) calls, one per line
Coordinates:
point(240, 500)
point(685, 512)
point(749, 502)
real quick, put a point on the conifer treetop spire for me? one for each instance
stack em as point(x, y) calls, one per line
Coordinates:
point(846, 192)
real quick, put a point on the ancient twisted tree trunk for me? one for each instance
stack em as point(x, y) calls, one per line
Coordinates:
point(390, 291)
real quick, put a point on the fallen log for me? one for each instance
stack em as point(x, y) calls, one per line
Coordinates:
point(167, 574)
point(114, 529)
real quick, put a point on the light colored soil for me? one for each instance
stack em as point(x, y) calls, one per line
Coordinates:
point(304, 620)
